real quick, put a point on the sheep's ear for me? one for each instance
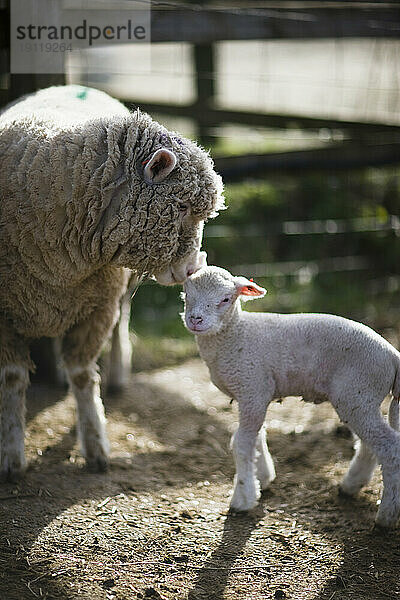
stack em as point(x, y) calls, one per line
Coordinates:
point(159, 166)
point(248, 288)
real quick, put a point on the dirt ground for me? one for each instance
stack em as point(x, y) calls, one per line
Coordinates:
point(156, 525)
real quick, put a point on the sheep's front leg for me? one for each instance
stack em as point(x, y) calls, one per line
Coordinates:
point(14, 380)
point(121, 348)
point(80, 348)
point(246, 486)
point(85, 384)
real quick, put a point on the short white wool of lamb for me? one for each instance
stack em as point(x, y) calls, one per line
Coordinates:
point(256, 357)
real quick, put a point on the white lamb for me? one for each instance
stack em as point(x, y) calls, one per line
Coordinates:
point(256, 357)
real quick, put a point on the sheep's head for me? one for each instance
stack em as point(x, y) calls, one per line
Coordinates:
point(210, 298)
point(173, 189)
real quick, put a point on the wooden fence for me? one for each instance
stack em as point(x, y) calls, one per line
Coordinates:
point(367, 144)
point(202, 25)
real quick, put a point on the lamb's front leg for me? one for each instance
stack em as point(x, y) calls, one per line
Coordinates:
point(360, 470)
point(264, 461)
point(85, 385)
point(246, 490)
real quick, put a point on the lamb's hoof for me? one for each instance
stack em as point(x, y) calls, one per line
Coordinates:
point(241, 503)
point(345, 492)
point(233, 510)
point(265, 482)
point(265, 472)
point(242, 506)
point(97, 465)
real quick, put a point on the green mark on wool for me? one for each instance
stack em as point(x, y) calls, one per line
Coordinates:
point(82, 94)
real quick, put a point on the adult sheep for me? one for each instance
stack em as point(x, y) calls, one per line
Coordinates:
point(88, 193)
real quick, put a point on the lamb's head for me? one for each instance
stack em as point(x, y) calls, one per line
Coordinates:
point(211, 296)
point(173, 190)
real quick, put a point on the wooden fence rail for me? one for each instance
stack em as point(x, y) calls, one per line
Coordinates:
point(204, 25)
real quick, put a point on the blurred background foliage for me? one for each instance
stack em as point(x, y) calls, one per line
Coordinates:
point(311, 84)
point(318, 242)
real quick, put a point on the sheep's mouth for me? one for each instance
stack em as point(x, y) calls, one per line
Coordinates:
point(166, 277)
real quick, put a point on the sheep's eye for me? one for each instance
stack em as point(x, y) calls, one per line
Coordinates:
point(182, 207)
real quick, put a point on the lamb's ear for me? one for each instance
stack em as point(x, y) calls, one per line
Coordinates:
point(248, 288)
point(159, 166)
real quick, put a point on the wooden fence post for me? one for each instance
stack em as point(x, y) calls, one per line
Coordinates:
point(203, 57)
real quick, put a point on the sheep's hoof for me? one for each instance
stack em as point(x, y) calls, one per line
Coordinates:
point(114, 389)
point(378, 529)
point(383, 522)
point(382, 527)
point(97, 465)
point(12, 472)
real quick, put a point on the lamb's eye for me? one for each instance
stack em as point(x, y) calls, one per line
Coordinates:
point(224, 301)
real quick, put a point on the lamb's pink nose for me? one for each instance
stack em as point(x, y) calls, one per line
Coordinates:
point(196, 320)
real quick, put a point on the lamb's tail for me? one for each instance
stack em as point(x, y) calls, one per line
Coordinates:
point(394, 416)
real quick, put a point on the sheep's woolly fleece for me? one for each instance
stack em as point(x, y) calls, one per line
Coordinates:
point(73, 202)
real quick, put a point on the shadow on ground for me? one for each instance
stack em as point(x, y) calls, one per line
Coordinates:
point(156, 524)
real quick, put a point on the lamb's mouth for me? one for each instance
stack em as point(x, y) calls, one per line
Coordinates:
point(198, 329)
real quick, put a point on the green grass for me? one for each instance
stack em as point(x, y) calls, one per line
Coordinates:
point(252, 234)
point(154, 352)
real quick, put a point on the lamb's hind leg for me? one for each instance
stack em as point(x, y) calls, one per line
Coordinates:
point(364, 461)
point(367, 422)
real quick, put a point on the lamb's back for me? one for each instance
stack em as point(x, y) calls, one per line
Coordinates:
point(306, 352)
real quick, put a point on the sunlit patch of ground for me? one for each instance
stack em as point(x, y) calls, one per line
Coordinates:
point(156, 525)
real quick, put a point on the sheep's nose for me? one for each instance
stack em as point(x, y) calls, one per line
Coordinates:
point(196, 320)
